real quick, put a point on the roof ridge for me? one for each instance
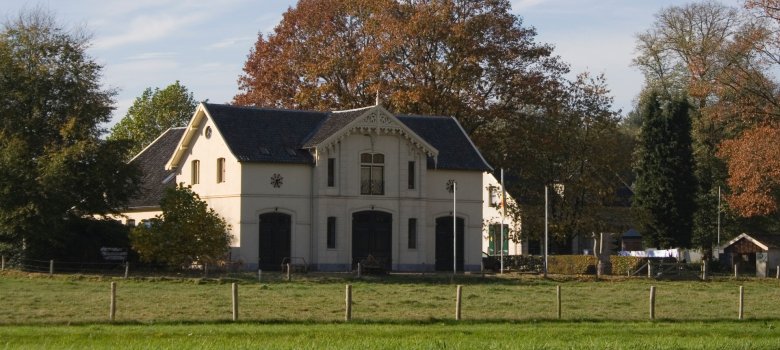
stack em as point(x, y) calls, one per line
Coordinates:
point(353, 109)
point(259, 108)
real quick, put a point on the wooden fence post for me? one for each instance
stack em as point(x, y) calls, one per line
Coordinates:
point(51, 267)
point(458, 294)
point(741, 313)
point(704, 270)
point(112, 305)
point(127, 269)
point(649, 269)
point(778, 272)
point(736, 270)
point(235, 302)
point(259, 275)
point(558, 292)
point(348, 311)
point(359, 270)
point(2, 264)
point(289, 277)
point(652, 302)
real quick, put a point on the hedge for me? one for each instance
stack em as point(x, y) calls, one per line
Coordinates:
point(571, 264)
point(621, 265)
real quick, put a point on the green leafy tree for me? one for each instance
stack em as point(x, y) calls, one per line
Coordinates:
point(186, 232)
point(664, 190)
point(152, 113)
point(53, 165)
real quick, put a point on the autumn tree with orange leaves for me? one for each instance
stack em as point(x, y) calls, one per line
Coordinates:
point(723, 58)
point(473, 60)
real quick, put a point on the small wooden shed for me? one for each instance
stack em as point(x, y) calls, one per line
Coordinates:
point(759, 253)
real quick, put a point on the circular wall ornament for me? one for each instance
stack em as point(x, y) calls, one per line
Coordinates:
point(450, 185)
point(277, 180)
point(208, 132)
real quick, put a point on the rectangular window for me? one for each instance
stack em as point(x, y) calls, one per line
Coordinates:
point(331, 172)
point(195, 172)
point(494, 244)
point(331, 232)
point(220, 170)
point(412, 233)
point(372, 173)
point(411, 175)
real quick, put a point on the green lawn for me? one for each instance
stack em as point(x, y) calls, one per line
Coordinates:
point(71, 311)
point(436, 335)
point(38, 299)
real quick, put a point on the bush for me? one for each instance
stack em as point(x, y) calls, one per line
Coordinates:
point(621, 265)
point(571, 264)
point(517, 263)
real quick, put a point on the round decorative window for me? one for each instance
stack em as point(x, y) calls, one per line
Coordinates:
point(208, 132)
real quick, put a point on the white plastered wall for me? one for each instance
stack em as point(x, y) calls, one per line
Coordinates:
point(492, 215)
point(224, 197)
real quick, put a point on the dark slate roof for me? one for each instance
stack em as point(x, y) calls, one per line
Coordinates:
point(335, 122)
point(266, 135)
point(280, 136)
point(151, 161)
point(456, 151)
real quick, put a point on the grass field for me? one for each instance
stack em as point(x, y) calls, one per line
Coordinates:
point(439, 335)
point(71, 311)
point(38, 299)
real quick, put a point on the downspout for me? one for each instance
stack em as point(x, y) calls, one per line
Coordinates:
point(311, 210)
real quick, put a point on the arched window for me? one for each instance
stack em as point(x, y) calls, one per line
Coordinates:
point(372, 173)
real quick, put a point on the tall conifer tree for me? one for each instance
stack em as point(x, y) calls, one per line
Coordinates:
point(664, 200)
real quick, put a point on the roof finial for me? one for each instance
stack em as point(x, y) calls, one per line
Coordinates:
point(377, 98)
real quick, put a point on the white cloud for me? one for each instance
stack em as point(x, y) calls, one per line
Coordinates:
point(148, 28)
point(151, 56)
point(228, 42)
point(518, 5)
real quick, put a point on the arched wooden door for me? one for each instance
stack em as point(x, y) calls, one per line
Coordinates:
point(372, 235)
point(275, 244)
point(444, 252)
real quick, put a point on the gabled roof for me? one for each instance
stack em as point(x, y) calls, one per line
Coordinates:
point(283, 136)
point(266, 135)
point(151, 161)
point(764, 241)
point(374, 119)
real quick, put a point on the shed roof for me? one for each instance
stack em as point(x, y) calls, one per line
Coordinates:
point(765, 241)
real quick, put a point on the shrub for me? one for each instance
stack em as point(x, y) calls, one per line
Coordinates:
point(621, 265)
point(571, 264)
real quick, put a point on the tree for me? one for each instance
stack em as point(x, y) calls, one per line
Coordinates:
point(186, 232)
point(664, 188)
point(458, 58)
point(53, 165)
point(152, 113)
point(472, 60)
point(697, 49)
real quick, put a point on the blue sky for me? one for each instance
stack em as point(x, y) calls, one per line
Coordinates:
point(204, 44)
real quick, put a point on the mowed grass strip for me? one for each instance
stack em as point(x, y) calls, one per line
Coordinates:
point(440, 335)
point(39, 299)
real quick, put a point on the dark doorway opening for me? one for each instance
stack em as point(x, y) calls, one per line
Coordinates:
point(275, 231)
point(444, 242)
point(372, 235)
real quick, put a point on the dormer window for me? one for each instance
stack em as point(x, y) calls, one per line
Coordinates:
point(372, 173)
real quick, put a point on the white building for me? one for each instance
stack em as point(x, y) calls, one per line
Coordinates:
point(330, 188)
point(494, 218)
